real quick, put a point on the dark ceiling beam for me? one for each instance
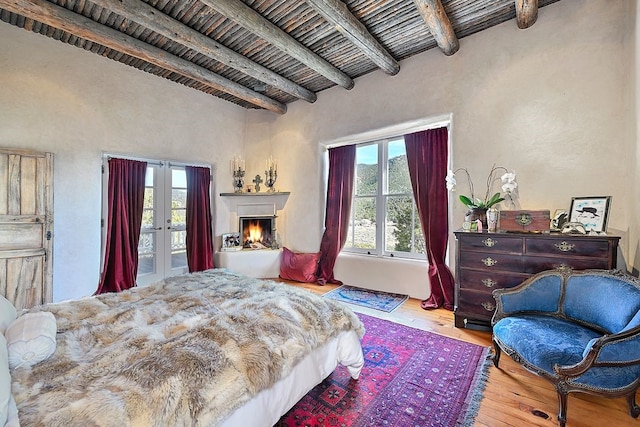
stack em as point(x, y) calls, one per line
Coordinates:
point(337, 14)
point(80, 26)
point(526, 13)
point(147, 16)
point(439, 25)
point(252, 21)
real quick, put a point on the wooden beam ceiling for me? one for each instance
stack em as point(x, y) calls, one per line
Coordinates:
point(80, 26)
point(248, 18)
point(526, 13)
point(439, 25)
point(160, 23)
point(337, 14)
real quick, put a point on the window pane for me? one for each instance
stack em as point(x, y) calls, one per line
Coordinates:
point(178, 198)
point(178, 178)
point(364, 229)
point(146, 254)
point(398, 170)
point(418, 246)
point(399, 225)
point(147, 213)
point(366, 170)
point(178, 249)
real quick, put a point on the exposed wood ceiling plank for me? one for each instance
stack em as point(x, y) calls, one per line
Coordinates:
point(439, 25)
point(526, 13)
point(254, 22)
point(160, 23)
point(80, 26)
point(337, 14)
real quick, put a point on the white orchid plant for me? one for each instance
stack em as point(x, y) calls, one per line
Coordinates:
point(509, 185)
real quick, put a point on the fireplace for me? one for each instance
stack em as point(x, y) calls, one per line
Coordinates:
point(258, 232)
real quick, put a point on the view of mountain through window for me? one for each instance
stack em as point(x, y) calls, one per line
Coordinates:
point(384, 219)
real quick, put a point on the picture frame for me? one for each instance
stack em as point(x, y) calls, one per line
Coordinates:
point(592, 212)
point(560, 217)
point(231, 242)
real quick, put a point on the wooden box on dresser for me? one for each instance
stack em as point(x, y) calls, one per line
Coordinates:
point(487, 260)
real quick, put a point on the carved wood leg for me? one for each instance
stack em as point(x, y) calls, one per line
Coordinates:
point(634, 410)
point(562, 413)
point(496, 354)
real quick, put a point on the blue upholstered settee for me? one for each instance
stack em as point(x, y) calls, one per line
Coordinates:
point(578, 329)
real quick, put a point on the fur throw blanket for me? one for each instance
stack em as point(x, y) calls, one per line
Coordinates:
point(186, 351)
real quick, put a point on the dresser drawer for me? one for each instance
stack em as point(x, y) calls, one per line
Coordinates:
point(535, 264)
point(490, 261)
point(487, 281)
point(491, 242)
point(479, 305)
point(573, 247)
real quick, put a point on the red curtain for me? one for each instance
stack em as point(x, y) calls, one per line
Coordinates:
point(125, 205)
point(199, 239)
point(427, 156)
point(339, 194)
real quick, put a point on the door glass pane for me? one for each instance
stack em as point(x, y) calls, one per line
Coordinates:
point(178, 198)
point(366, 170)
point(364, 224)
point(178, 249)
point(397, 168)
point(146, 253)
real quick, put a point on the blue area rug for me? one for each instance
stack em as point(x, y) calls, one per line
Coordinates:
point(383, 301)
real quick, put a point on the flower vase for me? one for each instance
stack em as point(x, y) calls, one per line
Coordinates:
point(477, 214)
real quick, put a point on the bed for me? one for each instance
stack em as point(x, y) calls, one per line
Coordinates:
point(206, 349)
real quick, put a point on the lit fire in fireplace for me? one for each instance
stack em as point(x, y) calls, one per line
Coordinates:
point(255, 232)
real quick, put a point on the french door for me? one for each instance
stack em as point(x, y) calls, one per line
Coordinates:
point(162, 250)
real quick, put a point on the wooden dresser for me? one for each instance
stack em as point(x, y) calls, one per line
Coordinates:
point(487, 260)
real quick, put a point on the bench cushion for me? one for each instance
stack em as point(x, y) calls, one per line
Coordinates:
point(544, 341)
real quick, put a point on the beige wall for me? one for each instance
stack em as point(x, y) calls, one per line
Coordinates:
point(550, 102)
point(58, 98)
point(556, 102)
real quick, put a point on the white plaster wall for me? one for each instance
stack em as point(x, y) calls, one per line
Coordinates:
point(548, 102)
point(58, 98)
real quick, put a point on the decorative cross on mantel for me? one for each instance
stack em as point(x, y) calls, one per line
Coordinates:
point(257, 181)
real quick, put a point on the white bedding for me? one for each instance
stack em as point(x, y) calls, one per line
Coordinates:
point(266, 408)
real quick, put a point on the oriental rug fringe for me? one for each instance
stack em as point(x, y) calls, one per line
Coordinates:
point(410, 378)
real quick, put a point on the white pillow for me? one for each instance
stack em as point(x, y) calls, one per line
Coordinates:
point(5, 381)
point(31, 338)
point(7, 314)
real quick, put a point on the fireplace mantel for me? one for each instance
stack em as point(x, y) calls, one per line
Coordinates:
point(277, 199)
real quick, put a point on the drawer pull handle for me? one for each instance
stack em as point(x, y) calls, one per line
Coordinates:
point(489, 262)
point(489, 242)
point(564, 246)
point(489, 283)
point(488, 306)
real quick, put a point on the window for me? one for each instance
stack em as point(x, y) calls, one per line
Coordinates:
point(384, 218)
point(162, 248)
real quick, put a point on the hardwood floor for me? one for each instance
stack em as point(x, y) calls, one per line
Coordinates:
point(513, 396)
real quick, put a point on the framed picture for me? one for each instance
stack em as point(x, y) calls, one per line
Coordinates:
point(231, 242)
point(560, 217)
point(592, 212)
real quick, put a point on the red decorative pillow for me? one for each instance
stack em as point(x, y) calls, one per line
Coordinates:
point(299, 267)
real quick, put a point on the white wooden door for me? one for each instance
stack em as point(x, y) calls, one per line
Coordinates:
point(26, 227)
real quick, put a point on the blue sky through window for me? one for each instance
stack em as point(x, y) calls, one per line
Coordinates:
point(368, 154)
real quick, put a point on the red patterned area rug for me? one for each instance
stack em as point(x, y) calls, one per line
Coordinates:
point(410, 378)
